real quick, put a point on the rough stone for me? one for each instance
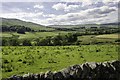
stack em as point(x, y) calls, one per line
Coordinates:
point(49, 75)
point(58, 76)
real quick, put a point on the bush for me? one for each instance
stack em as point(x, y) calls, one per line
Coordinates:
point(6, 61)
point(10, 41)
point(21, 31)
point(118, 40)
point(26, 42)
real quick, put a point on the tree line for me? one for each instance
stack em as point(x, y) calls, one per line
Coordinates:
point(58, 40)
point(93, 30)
point(16, 28)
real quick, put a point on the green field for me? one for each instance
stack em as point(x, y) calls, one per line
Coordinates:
point(30, 35)
point(109, 36)
point(105, 38)
point(35, 59)
point(84, 38)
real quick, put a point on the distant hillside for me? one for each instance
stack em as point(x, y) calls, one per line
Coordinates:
point(86, 25)
point(74, 26)
point(117, 23)
point(10, 22)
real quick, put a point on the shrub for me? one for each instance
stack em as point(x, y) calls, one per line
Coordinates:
point(26, 42)
point(21, 31)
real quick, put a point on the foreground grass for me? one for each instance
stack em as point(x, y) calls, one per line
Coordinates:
point(35, 59)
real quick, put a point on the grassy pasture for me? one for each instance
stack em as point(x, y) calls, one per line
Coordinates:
point(29, 35)
point(44, 34)
point(110, 36)
point(5, 34)
point(85, 39)
point(105, 38)
point(35, 59)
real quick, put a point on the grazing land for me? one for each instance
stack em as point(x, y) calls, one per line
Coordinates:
point(110, 36)
point(84, 38)
point(30, 35)
point(98, 39)
point(35, 59)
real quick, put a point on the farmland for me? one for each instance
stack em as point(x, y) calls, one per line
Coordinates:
point(85, 38)
point(109, 36)
point(30, 35)
point(35, 59)
point(105, 38)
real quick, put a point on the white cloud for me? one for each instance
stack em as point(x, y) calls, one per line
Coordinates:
point(76, 0)
point(38, 6)
point(59, 6)
point(21, 15)
point(102, 10)
point(90, 2)
point(84, 2)
point(95, 15)
point(28, 8)
point(65, 7)
point(49, 15)
point(107, 1)
point(15, 10)
point(72, 7)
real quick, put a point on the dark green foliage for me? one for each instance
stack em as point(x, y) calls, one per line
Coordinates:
point(4, 42)
point(21, 31)
point(5, 61)
point(118, 40)
point(15, 28)
point(44, 41)
point(10, 42)
point(26, 42)
point(14, 42)
point(71, 37)
point(57, 40)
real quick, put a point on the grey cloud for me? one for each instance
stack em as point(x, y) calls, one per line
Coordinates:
point(106, 11)
point(102, 10)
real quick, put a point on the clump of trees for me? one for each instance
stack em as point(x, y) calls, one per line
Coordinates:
point(15, 42)
point(16, 28)
point(59, 39)
point(26, 42)
point(10, 42)
point(21, 31)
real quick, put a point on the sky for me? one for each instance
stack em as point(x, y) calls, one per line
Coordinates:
point(62, 12)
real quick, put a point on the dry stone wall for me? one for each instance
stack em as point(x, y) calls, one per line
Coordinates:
point(86, 71)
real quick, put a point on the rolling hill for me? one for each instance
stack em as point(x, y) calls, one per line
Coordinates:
point(87, 25)
point(34, 26)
